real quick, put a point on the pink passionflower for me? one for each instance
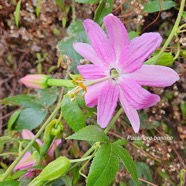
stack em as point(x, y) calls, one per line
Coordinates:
point(115, 53)
point(28, 160)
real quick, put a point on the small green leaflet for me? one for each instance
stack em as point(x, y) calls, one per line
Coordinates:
point(90, 133)
point(127, 161)
point(104, 166)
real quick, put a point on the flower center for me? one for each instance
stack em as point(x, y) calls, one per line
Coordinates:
point(114, 72)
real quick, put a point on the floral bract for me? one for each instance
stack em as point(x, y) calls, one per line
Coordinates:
point(114, 53)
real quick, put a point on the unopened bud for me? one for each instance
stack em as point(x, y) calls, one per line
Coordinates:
point(36, 81)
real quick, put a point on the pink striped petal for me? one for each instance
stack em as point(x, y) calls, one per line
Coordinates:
point(107, 102)
point(138, 97)
point(140, 48)
point(93, 92)
point(88, 53)
point(130, 112)
point(26, 162)
point(117, 34)
point(99, 42)
point(91, 72)
point(154, 75)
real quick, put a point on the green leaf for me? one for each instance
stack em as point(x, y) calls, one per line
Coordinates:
point(133, 34)
point(128, 162)
point(121, 142)
point(184, 15)
point(183, 109)
point(30, 118)
point(65, 46)
point(87, 1)
point(77, 30)
point(104, 166)
point(105, 7)
point(75, 33)
point(166, 59)
point(47, 97)
point(21, 99)
point(17, 13)
point(72, 114)
point(90, 133)
point(13, 118)
point(156, 6)
point(18, 174)
point(9, 183)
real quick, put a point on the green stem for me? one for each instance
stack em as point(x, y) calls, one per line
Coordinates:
point(174, 30)
point(16, 161)
point(178, 52)
point(181, 31)
point(182, 26)
point(113, 120)
point(80, 160)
